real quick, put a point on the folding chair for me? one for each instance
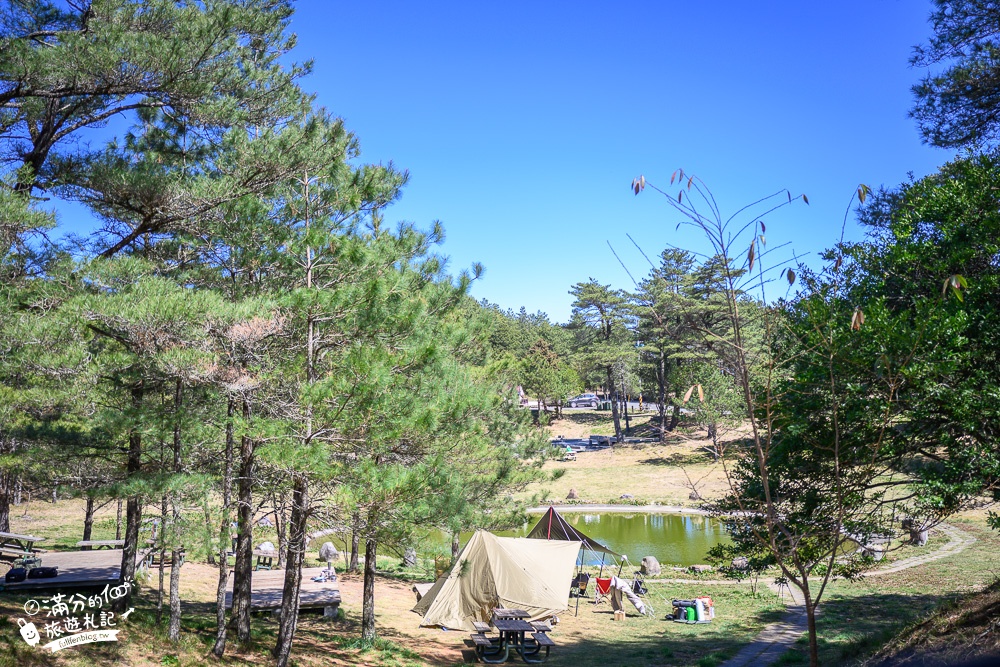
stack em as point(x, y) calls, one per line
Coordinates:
point(602, 589)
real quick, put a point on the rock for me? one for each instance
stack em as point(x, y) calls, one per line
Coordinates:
point(626, 496)
point(649, 565)
point(267, 546)
point(694, 496)
point(700, 568)
point(409, 557)
point(572, 495)
point(265, 522)
point(741, 563)
point(328, 552)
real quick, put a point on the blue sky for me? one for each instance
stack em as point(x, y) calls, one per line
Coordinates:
point(522, 124)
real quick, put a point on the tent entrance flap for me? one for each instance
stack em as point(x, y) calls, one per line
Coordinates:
point(552, 526)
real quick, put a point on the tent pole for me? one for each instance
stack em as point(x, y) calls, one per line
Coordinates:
point(603, 556)
point(579, 569)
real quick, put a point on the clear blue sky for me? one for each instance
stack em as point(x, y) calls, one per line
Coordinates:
point(522, 124)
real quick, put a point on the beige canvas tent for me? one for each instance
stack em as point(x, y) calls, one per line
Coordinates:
point(491, 571)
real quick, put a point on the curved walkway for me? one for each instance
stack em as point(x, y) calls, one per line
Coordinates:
point(778, 637)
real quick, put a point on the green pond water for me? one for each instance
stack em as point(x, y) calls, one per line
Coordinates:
point(674, 539)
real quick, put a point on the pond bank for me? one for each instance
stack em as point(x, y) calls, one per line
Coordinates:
point(624, 509)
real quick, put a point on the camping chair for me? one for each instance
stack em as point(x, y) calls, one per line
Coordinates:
point(602, 589)
point(579, 585)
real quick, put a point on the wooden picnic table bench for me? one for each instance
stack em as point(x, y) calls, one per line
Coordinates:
point(482, 628)
point(265, 559)
point(101, 544)
point(17, 541)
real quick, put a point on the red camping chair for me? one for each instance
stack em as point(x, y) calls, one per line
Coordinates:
point(602, 589)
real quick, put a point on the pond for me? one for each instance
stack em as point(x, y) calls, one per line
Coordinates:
point(674, 539)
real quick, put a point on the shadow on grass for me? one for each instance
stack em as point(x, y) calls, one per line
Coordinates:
point(692, 458)
point(661, 642)
point(852, 627)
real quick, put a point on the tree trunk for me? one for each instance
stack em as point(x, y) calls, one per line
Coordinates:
point(225, 530)
point(813, 638)
point(661, 388)
point(368, 596)
point(8, 483)
point(675, 417)
point(208, 532)
point(355, 543)
point(118, 521)
point(133, 508)
point(174, 632)
point(88, 522)
point(454, 547)
point(281, 526)
point(162, 550)
point(614, 406)
point(243, 567)
point(293, 571)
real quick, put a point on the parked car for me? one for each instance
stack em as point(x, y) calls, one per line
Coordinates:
point(583, 401)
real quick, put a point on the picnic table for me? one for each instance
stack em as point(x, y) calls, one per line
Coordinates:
point(512, 627)
point(101, 544)
point(265, 559)
point(13, 544)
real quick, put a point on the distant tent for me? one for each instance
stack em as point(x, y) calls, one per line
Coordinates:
point(492, 572)
point(553, 527)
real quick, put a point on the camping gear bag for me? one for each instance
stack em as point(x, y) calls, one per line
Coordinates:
point(43, 572)
point(16, 574)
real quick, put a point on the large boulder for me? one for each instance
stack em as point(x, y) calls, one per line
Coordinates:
point(572, 495)
point(649, 565)
point(409, 557)
point(328, 552)
point(267, 547)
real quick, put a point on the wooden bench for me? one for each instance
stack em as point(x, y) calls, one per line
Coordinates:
point(13, 551)
point(481, 627)
point(541, 626)
point(153, 558)
point(542, 640)
point(489, 650)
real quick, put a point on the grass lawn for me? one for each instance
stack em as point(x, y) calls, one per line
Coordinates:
point(856, 617)
point(651, 473)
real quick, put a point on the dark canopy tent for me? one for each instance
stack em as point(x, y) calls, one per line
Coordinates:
point(553, 527)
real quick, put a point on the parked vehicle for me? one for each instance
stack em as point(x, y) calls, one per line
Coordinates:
point(583, 401)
